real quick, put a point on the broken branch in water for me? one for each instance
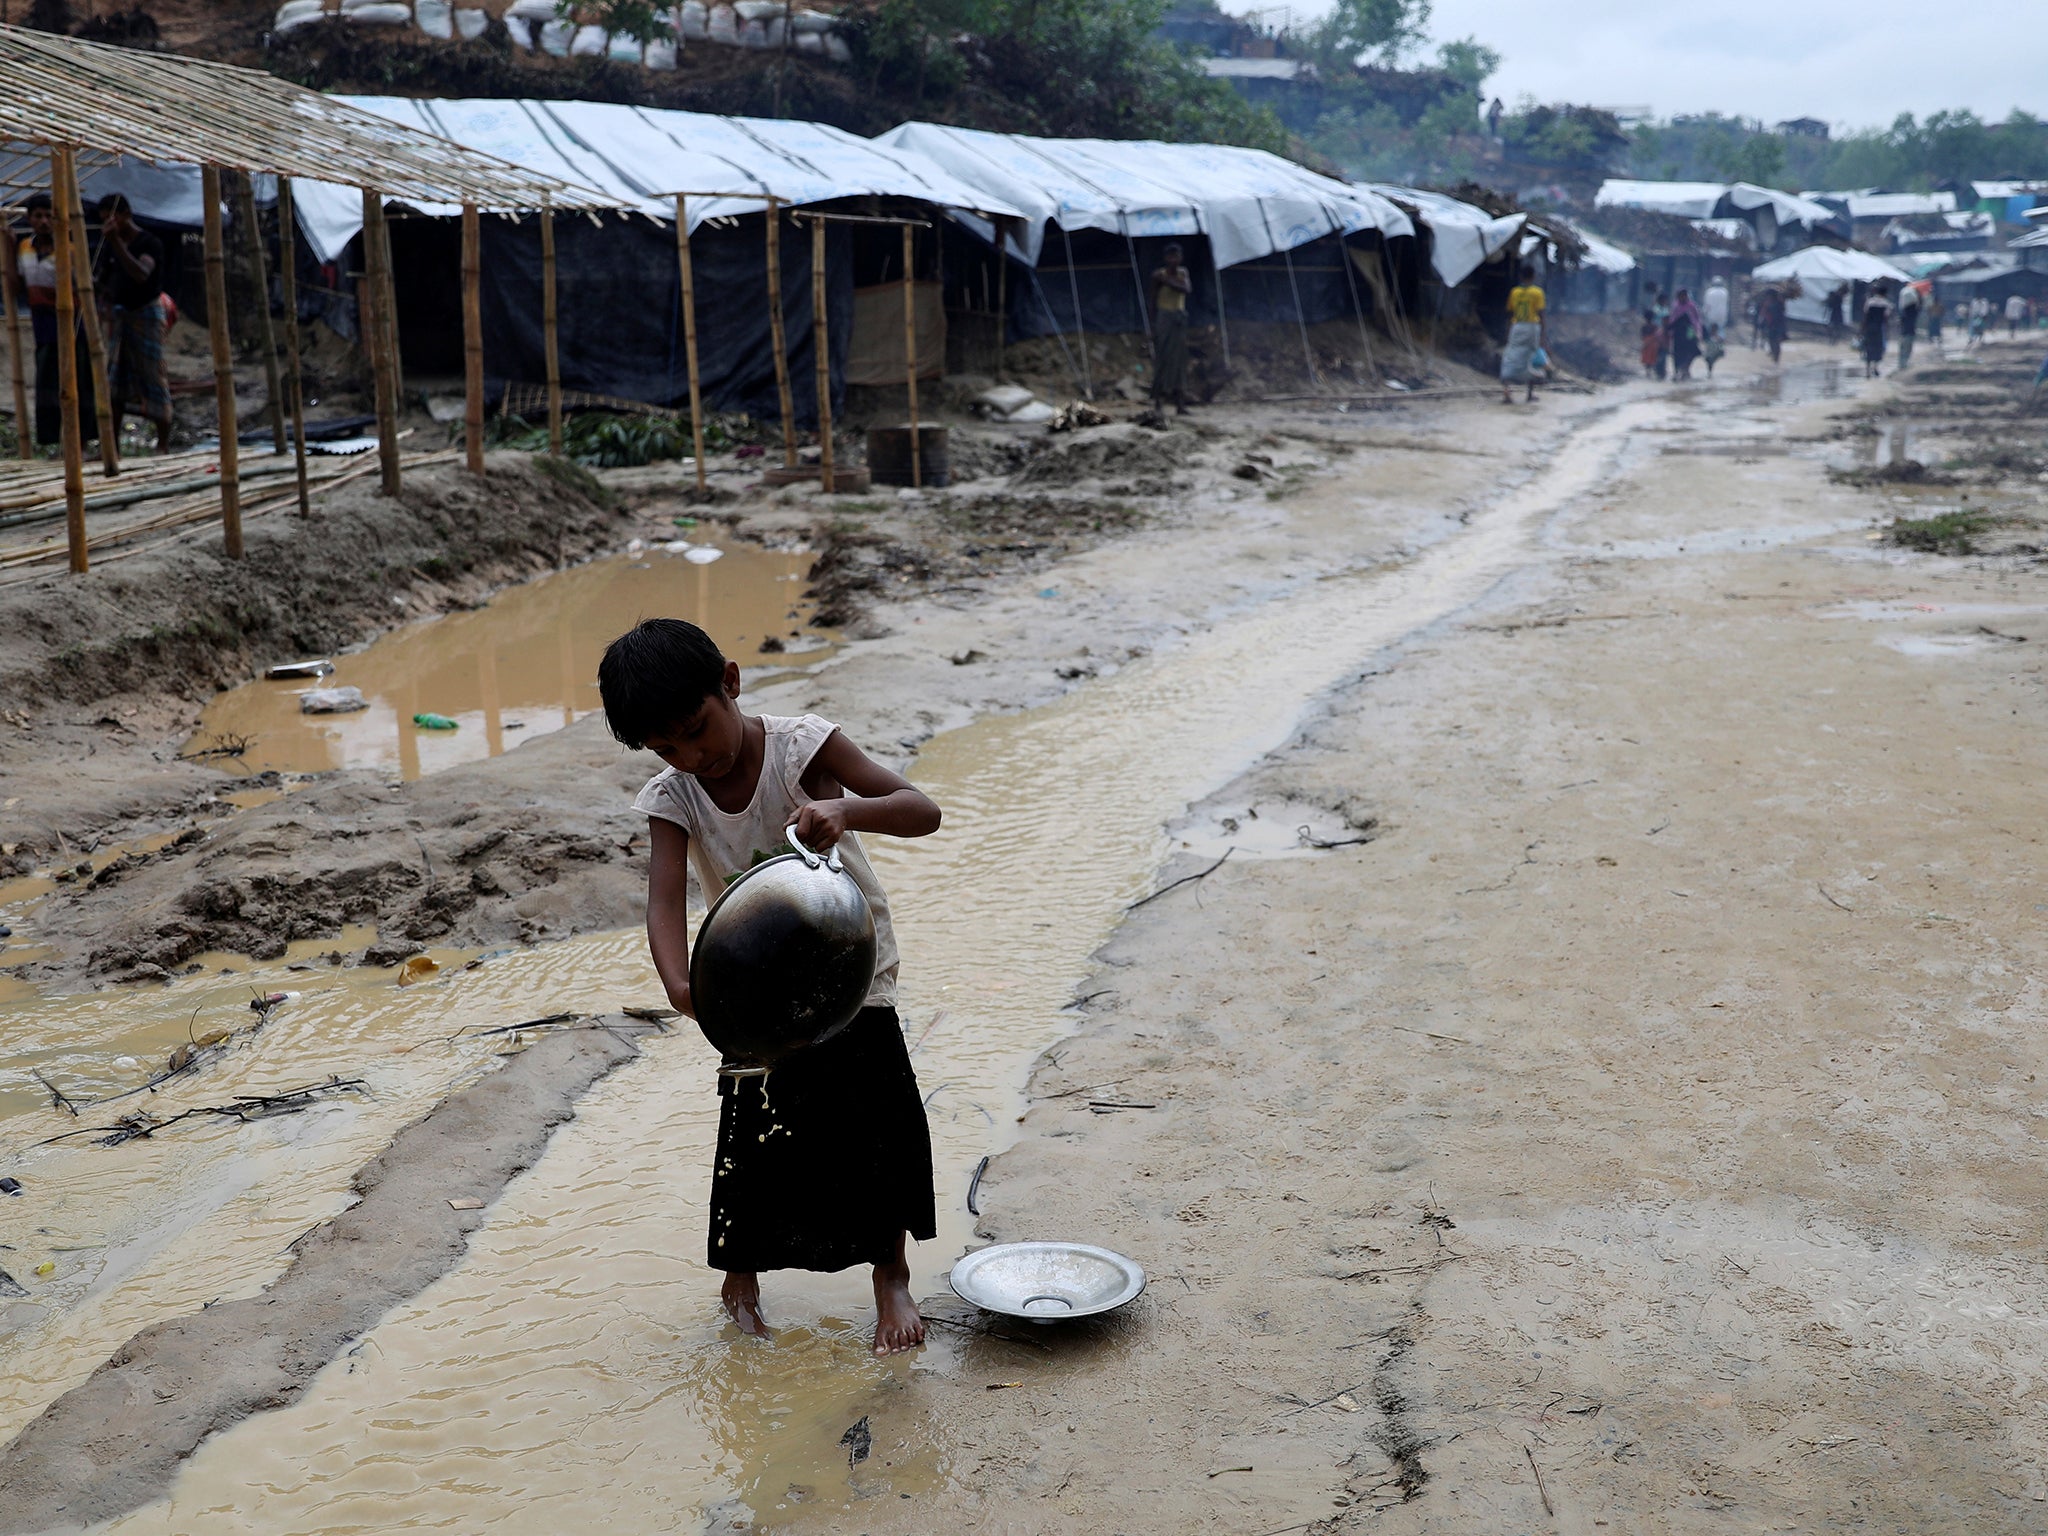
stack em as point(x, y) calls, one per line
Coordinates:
point(245, 1107)
point(1200, 874)
point(470, 1031)
point(1541, 1491)
point(226, 744)
point(57, 1097)
point(1310, 840)
point(974, 1187)
point(1831, 900)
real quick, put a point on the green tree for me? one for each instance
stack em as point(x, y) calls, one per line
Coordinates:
point(641, 20)
point(1468, 60)
point(1388, 28)
point(1760, 159)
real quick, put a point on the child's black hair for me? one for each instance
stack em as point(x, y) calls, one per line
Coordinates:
point(656, 675)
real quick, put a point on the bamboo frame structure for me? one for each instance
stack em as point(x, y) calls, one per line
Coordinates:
point(821, 349)
point(376, 334)
point(223, 363)
point(24, 426)
point(910, 351)
point(1002, 302)
point(1080, 325)
point(266, 333)
point(67, 369)
point(690, 338)
point(777, 339)
point(472, 340)
point(295, 384)
point(89, 320)
point(550, 336)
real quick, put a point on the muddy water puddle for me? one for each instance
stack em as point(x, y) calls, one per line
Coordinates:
point(522, 665)
point(575, 1367)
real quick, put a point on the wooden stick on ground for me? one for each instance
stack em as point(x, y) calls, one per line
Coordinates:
point(295, 385)
point(89, 320)
point(24, 427)
point(266, 333)
point(777, 341)
point(910, 350)
point(472, 340)
point(394, 353)
point(67, 366)
point(377, 337)
point(223, 363)
point(550, 336)
point(821, 349)
point(690, 337)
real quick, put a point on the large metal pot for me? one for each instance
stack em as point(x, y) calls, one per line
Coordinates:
point(783, 959)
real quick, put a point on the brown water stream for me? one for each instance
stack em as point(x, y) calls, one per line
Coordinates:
point(575, 1369)
point(523, 664)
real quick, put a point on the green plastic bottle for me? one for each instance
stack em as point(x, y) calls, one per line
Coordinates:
point(431, 722)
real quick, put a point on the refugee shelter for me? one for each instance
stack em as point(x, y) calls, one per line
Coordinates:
point(1606, 281)
point(622, 330)
point(1265, 240)
point(67, 104)
point(1775, 218)
point(1820, 270)
point(1996, 282)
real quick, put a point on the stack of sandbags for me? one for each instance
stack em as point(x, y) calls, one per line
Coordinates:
point(525, 18)
point(471, 22)
point(376, 13)
point(436, 18)
point(294, 14)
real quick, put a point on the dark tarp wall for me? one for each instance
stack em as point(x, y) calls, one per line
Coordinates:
point(619, 308)
point(1110, 290)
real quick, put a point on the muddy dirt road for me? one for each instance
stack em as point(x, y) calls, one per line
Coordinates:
point(1625, 1125)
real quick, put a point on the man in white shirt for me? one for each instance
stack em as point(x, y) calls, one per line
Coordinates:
point(1714, 304)
point(2015, 312)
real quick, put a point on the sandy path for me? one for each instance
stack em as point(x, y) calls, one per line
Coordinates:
point(1650, 1105)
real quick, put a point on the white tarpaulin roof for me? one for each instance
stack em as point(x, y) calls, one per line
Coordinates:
point(1248, 202)
point(1821, 269)
point(1462, 237)
point(644, 155)
point(1893, 205)
point(1603, 257)
point(1700, 199)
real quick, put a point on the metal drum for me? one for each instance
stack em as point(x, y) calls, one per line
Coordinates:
point(783, 959)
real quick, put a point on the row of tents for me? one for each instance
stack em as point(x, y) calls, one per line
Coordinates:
point(1013, 237)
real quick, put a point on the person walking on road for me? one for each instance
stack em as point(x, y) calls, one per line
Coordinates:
point(1171, 285)
point(1770, 319)
point(1932, 311)
point(1685, 327)
point(1836, 300)
point(1909, 323)
point(1528, 331)
point(1877, 313)
point(1714, 304)
point(2015, 312)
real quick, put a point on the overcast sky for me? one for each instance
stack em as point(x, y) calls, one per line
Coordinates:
point(1855, 63)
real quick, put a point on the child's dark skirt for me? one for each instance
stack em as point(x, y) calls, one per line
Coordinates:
point(827, 1160)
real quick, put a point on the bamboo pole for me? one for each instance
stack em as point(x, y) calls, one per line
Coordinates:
point(223, 363)
point(387, 312)
point(67, 368)
point(377, 337)
point(24, 425)
point(1002, 300)
point(548, 331)
point(690, 337)
point(295, 384)
point(910, 351)
point(777, 339)
point(821, 349)
point(1080, 325)
point(266, 332)
point(89, 319)
point(472, 339)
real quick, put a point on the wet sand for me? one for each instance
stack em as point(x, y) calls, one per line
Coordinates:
point(1639, 1001)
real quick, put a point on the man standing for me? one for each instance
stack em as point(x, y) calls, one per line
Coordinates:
point(1714, 304)
point(129, 278)
point(2015, 312)
point(1909, 323)
point(1836, 299)
point(1171, 285)
point(35, 271)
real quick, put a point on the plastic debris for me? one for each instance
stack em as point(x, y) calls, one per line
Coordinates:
point(702, 554)
point(427, 720)
point(417, 969)
point(1071, 417)
point(466, 1203)
point(47, 1267)
point(283, 669)
point(10, 1186)
point(332, 701)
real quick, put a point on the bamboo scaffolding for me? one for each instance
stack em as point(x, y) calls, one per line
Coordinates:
point(223, 362)
point(67, 369)
point(472, 341)
point(777, 340)
point(690, 338)
point(910, 351)
point(24, 426)
point(822, 351)
point(550, 336)
point(266, 333)
point(89, 319)
point(377, 337)
point(295, 385)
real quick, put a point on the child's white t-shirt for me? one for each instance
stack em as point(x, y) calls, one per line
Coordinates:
point(725, 846)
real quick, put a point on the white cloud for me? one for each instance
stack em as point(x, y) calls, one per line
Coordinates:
point(1854, 63)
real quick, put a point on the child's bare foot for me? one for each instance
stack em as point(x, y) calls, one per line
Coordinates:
point(898, 1325)
point(741, 1294)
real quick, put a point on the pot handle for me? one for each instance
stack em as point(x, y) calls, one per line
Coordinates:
point(829, 860)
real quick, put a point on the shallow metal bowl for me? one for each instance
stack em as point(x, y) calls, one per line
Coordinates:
point(783, 959)
point(1046, 1282)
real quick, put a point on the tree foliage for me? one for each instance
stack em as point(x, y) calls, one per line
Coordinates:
point(641, 20)
point(1911, 154)
point(1064, 67)
point(1386, 29)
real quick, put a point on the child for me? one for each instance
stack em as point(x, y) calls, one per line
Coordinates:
point(828, 1161)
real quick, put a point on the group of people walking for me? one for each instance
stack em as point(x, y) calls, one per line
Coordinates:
point(135, 311)
point(1678, 332)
